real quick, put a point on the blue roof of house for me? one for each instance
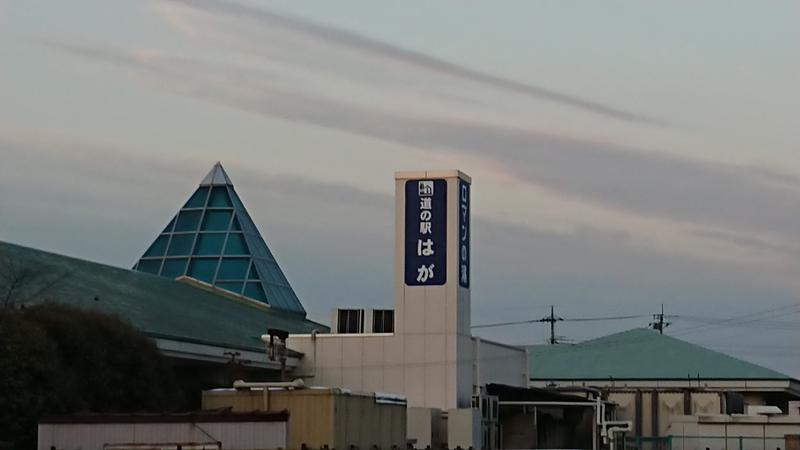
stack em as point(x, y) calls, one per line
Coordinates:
point(639, 354)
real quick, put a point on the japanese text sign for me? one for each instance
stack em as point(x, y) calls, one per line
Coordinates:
point(463, 233)
point(426, 233)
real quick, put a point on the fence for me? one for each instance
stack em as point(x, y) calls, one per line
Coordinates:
point(705, 443)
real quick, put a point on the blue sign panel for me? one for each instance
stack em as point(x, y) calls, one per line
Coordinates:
point(426, 233)
point(463, 233)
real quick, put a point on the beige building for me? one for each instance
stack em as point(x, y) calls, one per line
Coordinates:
point(319, 417)
point(423, 349)
point(210, 430)
point(726, 432)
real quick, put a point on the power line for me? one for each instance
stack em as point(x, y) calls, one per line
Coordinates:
point(561, 319)
point(503, 324)
point(592, 319)
point(737, 320)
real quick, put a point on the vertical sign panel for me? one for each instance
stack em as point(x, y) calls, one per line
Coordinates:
point(464, 232)
point(426, 233)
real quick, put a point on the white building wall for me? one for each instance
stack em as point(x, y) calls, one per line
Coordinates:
point(501, 363)
point(432, 357)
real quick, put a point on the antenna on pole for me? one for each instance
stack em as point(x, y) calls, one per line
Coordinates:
point(658, 321)
point(552, 319)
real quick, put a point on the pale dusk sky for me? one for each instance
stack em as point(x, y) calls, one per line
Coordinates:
point(624, 154)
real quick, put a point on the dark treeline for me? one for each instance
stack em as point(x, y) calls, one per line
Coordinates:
point(56, 359)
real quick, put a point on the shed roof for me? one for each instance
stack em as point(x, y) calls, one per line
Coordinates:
point(158, 306)
point(639, 354)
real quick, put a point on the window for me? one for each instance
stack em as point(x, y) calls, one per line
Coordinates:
point(235, 225)
point(149, 266)
point(203, 269)
point(236, 245)
point(188, 221)
point(233, 269)
point(253, 273)
point(181, 244)
point(255, 291)
point(209, 243)
point(174, 268)
point(383, 321)
point(158, 248)
point(168, 228)
point(350, 321)
point(216, 220)
point(198, 199)
point(219, 198)
point(234, 286)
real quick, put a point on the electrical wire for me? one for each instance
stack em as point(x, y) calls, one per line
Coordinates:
point(568, 319)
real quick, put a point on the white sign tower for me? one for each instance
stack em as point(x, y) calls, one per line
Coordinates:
point(432, 286)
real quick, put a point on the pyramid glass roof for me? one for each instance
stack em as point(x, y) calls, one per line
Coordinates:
point(213, 239)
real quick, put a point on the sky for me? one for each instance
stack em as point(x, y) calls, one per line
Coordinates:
point(623, 154)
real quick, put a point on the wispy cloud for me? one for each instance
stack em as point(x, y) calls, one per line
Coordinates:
point(339, 39)
point(640, 181)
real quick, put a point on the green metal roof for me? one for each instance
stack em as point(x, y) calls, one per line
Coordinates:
point(160, 307)
point(639, 354)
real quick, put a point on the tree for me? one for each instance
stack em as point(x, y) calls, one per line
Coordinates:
point(29, 370)
point(62, 360)
point(20, 281)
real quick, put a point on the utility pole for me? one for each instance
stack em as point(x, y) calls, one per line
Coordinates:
point(658, 321)
point(552, 319)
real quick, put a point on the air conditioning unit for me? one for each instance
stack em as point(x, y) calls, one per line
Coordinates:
point(763, 410)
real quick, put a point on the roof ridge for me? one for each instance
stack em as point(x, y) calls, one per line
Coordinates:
point(643, 353)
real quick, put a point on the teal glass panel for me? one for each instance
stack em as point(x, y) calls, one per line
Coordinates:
point(235, 225)
point(174, 268)
point(219, 198)
point(209, 244)
point(188, 221)
point(216, 220)
point(236, 245)
point(198, 199)
point(203, 269)
point(149, 266)
point(255, 291)
point(233, 268)
point(231, 286)
point(158, 248)
point(253, 273)
point(168, 228)
point(181, 244)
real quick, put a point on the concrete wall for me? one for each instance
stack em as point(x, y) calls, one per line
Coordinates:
point(651, 411)
point(464, 428)
point(233, 435)
point(319, 417)
point(424, 427)
point(723, 432)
